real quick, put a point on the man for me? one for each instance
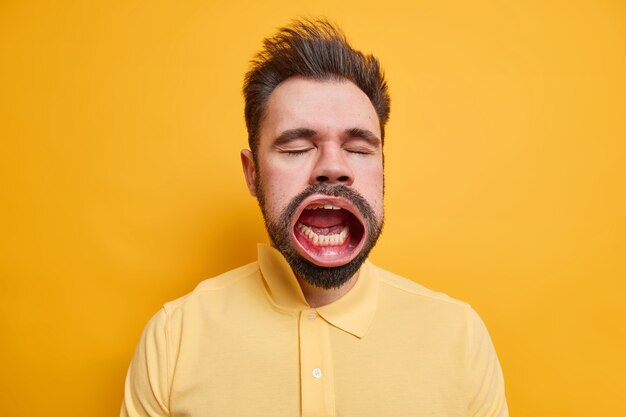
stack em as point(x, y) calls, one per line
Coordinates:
point(312, 328)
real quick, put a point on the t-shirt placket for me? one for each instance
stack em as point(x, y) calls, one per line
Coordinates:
point(316, 373)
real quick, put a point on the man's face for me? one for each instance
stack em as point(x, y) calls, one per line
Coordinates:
point(319, 178)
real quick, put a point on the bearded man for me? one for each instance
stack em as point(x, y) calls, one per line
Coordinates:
point(313, 328)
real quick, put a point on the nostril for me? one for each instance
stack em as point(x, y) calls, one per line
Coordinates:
point(322, 178)
point(343, 178)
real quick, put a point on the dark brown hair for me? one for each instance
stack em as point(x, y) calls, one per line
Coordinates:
point(314, 49)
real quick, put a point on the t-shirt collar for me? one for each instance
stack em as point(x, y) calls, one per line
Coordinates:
point(351, 313)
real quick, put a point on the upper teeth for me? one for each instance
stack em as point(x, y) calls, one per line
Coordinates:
point(324, 206)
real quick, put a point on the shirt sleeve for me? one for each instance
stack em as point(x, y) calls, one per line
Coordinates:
point(486, 395)
point(146, 393)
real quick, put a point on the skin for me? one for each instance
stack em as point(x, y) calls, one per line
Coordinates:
point(317, 132)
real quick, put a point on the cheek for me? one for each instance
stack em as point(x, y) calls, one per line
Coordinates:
point(283, 180)
point(378, 204)
point(373, 190)
point(278, 191)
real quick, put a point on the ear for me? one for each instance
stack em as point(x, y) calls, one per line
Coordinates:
point(249, 171)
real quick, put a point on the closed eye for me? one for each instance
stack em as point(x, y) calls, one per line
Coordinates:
point(360, 150)
point(295, 152)
point(362, 142)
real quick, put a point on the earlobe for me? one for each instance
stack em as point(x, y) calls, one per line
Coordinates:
point(249, 171)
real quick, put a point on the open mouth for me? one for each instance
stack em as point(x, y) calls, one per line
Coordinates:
point(328, 231)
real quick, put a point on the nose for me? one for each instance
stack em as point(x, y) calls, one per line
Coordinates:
point(332, 167)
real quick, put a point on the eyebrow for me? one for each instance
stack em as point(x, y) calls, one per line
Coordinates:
point(303, 133)
point(365, 134)
point(291, 134)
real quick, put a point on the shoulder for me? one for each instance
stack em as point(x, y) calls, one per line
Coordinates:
point(404, 298)
point(217, 288)
point(401, 287)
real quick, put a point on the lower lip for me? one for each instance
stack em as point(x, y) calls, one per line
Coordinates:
point(327, 256)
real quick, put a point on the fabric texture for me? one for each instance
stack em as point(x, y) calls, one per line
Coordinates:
point(246, 343)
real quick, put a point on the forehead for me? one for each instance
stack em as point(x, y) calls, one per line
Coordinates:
point(324, 106)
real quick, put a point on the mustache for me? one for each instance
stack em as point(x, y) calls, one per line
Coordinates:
point(332, 191)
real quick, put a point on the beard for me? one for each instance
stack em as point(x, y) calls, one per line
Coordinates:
point(280, 235)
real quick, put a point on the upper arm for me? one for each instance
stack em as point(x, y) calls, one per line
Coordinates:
point(486, 383)
point(146, 393)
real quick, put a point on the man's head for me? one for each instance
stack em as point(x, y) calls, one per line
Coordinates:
point(310, 49)
point(315, 111)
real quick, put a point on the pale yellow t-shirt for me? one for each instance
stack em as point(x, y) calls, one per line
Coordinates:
point(246, 343)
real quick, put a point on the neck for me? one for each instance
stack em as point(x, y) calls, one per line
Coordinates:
point(318, 297)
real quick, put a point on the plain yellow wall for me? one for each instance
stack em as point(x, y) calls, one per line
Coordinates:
point(120, 128)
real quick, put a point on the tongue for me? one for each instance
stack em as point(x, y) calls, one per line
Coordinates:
point(323, 217)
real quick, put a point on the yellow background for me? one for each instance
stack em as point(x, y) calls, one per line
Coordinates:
point(120, 127)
